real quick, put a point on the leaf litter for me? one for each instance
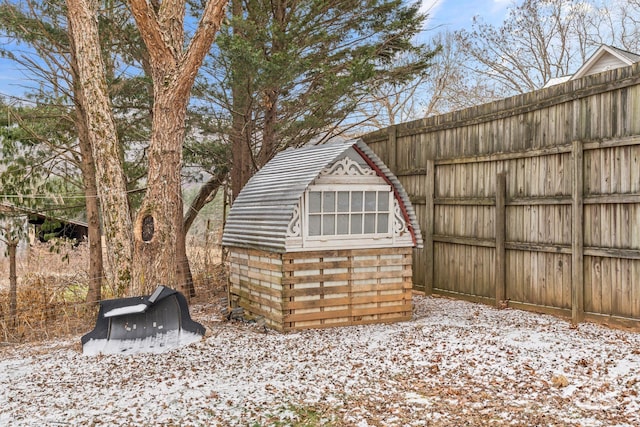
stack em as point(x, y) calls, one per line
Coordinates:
point(456, 363)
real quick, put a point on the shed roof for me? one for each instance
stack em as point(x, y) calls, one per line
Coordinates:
point(260, 215)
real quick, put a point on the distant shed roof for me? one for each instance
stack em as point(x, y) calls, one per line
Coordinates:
point(260, 215)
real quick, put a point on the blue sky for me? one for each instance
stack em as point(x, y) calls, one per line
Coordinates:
point(444, 14)
point(10, 78)
point(457, 14)
point(12, 81)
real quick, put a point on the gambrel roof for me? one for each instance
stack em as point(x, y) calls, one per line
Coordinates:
point(260, 215)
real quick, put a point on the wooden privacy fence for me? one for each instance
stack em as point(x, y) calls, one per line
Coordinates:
point(533, 199)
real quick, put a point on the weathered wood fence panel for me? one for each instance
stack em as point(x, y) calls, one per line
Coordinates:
point(533, 199)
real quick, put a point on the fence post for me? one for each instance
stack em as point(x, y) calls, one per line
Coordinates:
point(429, 186)
point(392, 148)
point(577, 235)
point(500, 222)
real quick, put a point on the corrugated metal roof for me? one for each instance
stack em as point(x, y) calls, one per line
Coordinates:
point(261, 213)
point(399, 190)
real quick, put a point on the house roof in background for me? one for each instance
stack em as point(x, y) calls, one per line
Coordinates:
point(11, 208)
point(603, 59)
point(614, 57)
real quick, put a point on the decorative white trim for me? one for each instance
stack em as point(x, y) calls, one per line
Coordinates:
point(297, 235)
point(295, 229)
point(347, 167)
point(399, 224)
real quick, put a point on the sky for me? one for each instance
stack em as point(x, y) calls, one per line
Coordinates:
point(444, 14)
point(457, 14)
point(10, 77)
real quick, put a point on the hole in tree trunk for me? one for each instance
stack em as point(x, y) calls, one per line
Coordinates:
point(147, 228)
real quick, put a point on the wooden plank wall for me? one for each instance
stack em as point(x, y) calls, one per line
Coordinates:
point(255, 283)
point(346, 287)
point(319, 289)
point(565, 235)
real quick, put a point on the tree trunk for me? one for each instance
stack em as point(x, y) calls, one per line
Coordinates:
point(94, 294)
point(269, 137)
point(110, 181)
point(160, 255)
point(159, 220)
point(270, 140)
point(13, 283)
point(204, 196)
point(146, 253)
point(92, 206)
point(241, 153)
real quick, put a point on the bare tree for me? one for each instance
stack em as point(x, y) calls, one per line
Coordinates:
point(447, 85)
point(543, 39)
point(389, 103)
point(613, 22)
point(451, 84)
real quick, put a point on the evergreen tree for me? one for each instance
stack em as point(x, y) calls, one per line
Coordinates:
point(285, 73)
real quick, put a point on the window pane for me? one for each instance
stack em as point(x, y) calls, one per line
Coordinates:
point(314, 225)
point(383, 223)
point(369, 223)
point(339, 214)
point(328, 202)
point(328, 225)
point(343, 224)
point(356, 224)
point(343, 201)
point(314, 201)
point(356, 201)
point(383, 201)
point(370, 201)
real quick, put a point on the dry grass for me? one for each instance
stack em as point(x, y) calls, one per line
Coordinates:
point(52, 287)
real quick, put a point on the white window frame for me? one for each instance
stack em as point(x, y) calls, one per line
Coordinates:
point(350, 238)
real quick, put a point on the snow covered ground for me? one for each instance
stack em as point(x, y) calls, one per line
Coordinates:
point(455, 364)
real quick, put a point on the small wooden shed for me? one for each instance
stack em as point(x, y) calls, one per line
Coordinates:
point(322, 236)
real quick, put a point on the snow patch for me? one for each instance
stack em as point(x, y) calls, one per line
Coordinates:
point(412, 397)
point(158, 343)
point(456, 363)
point(130, 309)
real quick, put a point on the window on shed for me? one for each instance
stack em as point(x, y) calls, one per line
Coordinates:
point(353, 211)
